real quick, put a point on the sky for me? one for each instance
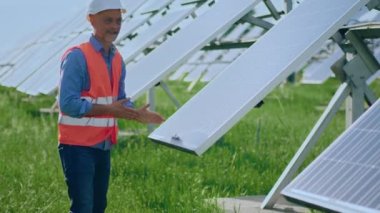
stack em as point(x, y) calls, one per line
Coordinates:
point(20, 19)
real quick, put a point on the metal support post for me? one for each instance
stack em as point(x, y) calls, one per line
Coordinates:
point(272, 9)
point(355, 74)
point(288, 174)
point(363, 51)
point(51, 110)
point(152, 106)
point(373, 4)
point(165, 87)
point(288, 5)
point(257, 21)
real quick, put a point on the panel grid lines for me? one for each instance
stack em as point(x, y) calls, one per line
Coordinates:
point(347, 172)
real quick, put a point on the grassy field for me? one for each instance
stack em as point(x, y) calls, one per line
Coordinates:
point(147, 177)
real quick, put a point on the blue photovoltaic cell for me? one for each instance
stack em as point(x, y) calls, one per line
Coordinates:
point(346, 176)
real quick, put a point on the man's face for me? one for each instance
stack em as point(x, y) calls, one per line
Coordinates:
point(106, 25)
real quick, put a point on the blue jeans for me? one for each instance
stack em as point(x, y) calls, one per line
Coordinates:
point(87, 172)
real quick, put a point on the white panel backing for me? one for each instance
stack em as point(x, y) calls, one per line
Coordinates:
point(243, 84)
point(173, 52)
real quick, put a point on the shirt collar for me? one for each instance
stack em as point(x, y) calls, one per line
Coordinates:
point(98, 46)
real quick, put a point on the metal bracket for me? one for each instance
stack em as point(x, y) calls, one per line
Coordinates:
point(51, 110)
point(272, 9)
point(228, 45)
point(257, 21)
point(6, 65)
point(165, 87)
point(152, 100)
point(288, 5)
point(373, 4)
point(362, 49)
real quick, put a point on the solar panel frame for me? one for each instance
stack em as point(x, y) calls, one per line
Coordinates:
point(201, 121)
point(346, 163)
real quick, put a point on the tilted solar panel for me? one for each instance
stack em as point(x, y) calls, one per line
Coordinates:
point(177, 49)
point(294, 39)
point(346, 176)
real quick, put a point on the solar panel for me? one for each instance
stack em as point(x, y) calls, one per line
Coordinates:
point(212, 56)
point(130, 25)
point(368, 16)
point(36, 72)
point(293, 40)
point(186, 68)
point(346, 176)
point(23, 59)
point(153, 6)
point(24, 70)
point(134, 47)
point(132, 5)
point(45, 79)
point(220, 64)
point(319, 72)
point(152, 68)
point(201, 59)
point(254, 33)
point(36, 54)
point(212, 71)
point(236, 33)
point(196, 73)
point(20, 54)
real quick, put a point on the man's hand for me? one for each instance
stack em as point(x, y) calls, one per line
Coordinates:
point(146, 116)
point(119, 110)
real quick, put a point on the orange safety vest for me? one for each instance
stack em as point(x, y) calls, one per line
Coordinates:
point(90, 130)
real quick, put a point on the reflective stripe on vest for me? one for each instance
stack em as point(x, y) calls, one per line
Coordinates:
point(90, 130)
point(100, 100)
point(86, 121)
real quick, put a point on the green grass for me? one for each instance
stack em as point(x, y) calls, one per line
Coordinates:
point(147, 177)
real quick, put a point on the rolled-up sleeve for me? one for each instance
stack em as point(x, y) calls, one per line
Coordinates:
point(72, 82)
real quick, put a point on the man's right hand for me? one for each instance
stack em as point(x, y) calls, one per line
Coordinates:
point(147, 116)
point(121, 111)
point(142, 115)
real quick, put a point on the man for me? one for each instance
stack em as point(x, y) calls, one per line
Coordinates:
point(91, 96)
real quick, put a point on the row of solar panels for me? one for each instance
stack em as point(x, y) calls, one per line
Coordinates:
point(244, 83)
point(33, 68)
point(316, 71)
point(249, 78)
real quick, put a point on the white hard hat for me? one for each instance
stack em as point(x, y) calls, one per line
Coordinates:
point(97, 6)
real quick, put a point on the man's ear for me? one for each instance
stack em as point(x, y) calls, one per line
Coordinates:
point(90, 18)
